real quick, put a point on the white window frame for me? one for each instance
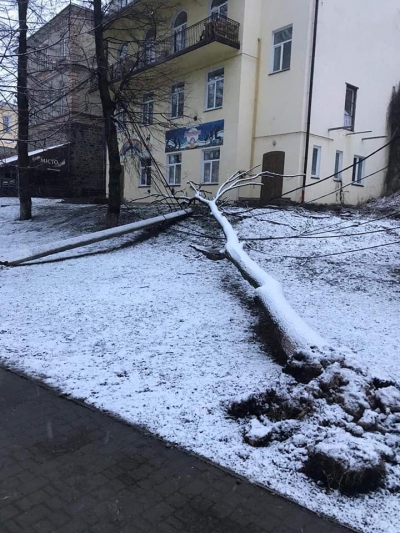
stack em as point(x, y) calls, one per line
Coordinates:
point(180, 34)
point(123, 52)
point(7, 123)
point(148, 109)
point(150, 47)
point(214, 83)
point(317, 149)
point(177, 100)
point(219, 11)
point(281, 47)
point(349, 119)
point(338, 165)
point(211, 163)
point(144, 172)
point(358, 170)
point(175, 182)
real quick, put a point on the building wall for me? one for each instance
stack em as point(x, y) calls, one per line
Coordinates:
point(79, 122)
point(8, 139)
point(266, 111)
point(193, 69)
point(86, 154)
point(69, 45)
point(364, 54)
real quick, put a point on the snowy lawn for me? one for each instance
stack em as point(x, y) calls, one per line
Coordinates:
point(154, 332)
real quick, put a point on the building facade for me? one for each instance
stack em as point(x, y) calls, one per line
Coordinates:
point(279, 84)
point(8, 130)
point(62, 112)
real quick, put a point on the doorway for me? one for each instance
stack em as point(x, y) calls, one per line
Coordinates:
point(272, 187)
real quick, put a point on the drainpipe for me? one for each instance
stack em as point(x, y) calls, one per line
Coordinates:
point(310, 97)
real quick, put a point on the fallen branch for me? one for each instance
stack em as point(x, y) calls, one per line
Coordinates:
point(350, 422)
point(91, 238)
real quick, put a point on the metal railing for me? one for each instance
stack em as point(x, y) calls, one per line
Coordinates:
point(152, 53)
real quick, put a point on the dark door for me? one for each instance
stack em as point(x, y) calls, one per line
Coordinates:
point(272, 185)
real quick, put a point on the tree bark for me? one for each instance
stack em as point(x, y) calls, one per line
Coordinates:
point(108, 107)
point(25, 200)
point(85, 240)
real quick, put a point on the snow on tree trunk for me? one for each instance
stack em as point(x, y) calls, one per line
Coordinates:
point(340, 425)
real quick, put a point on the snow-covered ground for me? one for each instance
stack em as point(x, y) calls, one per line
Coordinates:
point(154, 332)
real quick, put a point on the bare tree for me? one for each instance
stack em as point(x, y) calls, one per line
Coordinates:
point(23, 114)
point(130, 46)
point(108, 107)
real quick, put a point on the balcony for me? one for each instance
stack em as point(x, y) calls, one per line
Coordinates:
point(214, 29)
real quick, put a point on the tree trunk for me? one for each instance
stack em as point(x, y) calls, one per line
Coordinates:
point(108, 107)
point(23, 115)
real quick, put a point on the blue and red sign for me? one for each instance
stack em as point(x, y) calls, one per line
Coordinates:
point(205, 135)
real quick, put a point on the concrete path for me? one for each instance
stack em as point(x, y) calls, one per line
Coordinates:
point(67, 469)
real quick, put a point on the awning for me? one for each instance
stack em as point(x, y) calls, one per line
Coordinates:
point(14, 158)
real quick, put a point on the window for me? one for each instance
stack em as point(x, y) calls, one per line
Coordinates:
point(150, 46)
point(219, 8)
point(177, 100)
point(316, 161)
point(145, 172)
point(63, 47)
point(180, 25)
point(211, 160)
point(282, 49)
point(350, 106)
point(148, 109)
point(123, 52)
point(60, 103)
point(215, 89)
point(338, 166)
point(174, 169)
point(358, 170)
point(7, 124)
point(42, 58)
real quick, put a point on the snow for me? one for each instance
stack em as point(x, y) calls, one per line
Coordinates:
point(389, 397)
point(75, 242)
point(157, 334)
point(351, 451)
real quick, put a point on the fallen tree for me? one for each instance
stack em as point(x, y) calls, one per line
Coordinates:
point(91, 238)
point(340, 425)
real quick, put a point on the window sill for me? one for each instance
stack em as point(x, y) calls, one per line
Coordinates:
point(174, 185)
point(314, 177)
point(357, 184)
point(144, 186)
point(279, 71)
point(338, 180)
point(213, 183)
point(212, 109)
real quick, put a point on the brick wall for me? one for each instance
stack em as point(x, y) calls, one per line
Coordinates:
point(87, 153)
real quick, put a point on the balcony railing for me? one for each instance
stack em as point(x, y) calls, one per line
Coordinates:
point(153, 52)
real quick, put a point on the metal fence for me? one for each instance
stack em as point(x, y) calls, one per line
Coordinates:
point(153, 52)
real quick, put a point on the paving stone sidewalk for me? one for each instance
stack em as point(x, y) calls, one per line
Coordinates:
point(68, 469)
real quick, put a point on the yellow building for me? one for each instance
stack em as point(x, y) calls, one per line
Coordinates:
point(8, 129)
point(231, 84)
